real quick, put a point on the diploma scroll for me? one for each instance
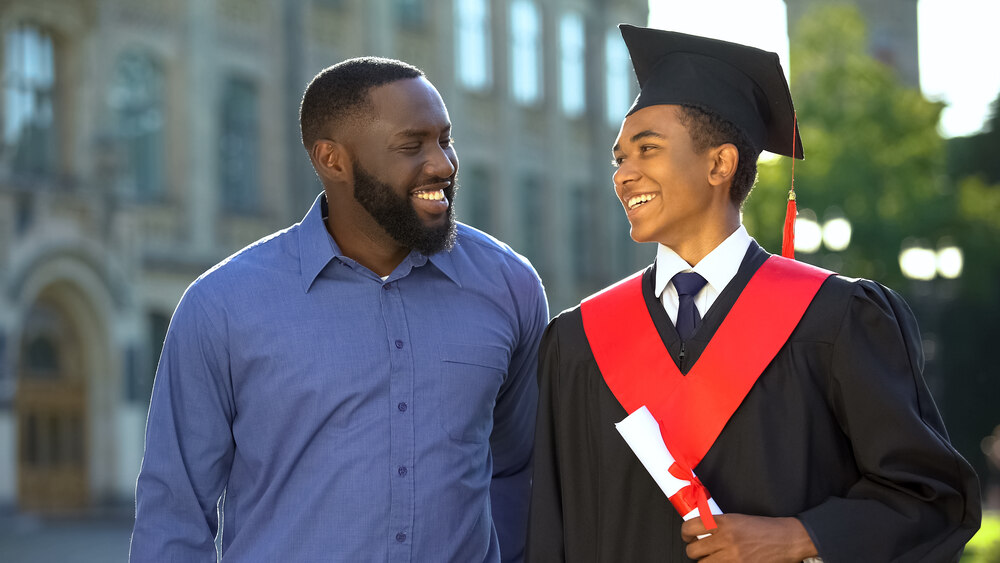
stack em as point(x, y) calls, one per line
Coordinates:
point(642, 433)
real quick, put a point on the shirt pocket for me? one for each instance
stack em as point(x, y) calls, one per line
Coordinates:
point(468, 383)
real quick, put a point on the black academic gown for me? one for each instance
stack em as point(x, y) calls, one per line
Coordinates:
point(839, 430)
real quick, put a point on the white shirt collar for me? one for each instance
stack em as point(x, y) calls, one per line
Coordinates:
point(718, 268)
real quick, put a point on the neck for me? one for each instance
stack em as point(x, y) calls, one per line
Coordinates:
point(362, 239)
point(698, 245)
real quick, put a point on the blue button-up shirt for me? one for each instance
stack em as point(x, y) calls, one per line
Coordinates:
point(342, 417)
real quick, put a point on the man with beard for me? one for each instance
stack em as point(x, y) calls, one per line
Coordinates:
point(361, 385)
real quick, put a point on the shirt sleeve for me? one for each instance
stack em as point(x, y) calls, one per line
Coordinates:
point(917, 499)
point(189, 442)
point(514, 424)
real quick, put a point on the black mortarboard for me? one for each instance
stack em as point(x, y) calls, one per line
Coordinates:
point(743, 84)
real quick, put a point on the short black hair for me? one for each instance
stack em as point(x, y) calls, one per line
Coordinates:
point(340, 92)
point(709, 129)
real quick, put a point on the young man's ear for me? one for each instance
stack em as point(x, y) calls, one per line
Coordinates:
point(330, 159)
point(725, 158)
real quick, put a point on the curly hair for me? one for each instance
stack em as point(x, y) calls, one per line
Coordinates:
point(340, 92)
point(709, 129)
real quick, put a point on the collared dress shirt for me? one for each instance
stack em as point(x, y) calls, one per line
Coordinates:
point(325, 414)
point(718, 268)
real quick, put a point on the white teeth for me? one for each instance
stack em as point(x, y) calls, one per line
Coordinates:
point(636, 201)
point(436, 195)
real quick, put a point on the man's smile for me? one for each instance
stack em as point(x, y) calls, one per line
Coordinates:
point(430, 195)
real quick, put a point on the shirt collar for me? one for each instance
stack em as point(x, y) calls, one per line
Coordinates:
point(441, 260)
point(445, 262)
point(317, 248)
point(718, 267)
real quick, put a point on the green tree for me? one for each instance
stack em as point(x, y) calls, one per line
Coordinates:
point(972, 321)
point(975, 155)
point(872, 150)
point(974, 169)
point(873, 153)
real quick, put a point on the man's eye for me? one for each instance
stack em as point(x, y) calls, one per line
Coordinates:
point(448, 142)
point(647, 148)
point(616, 161)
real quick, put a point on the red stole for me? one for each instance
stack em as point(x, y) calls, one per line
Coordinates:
point(693, 409)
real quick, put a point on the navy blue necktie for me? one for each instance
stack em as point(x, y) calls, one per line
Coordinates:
point(687, 284)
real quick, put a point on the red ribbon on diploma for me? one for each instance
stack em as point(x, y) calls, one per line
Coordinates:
point(694, 495)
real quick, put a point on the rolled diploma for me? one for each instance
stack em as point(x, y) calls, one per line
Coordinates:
point(642, 433)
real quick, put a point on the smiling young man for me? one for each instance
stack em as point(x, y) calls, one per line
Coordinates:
point(793, 395)
point(361, 385)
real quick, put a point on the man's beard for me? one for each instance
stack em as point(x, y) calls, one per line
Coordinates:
point(397, 216)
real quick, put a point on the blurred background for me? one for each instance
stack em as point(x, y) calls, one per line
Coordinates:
point(142, 141)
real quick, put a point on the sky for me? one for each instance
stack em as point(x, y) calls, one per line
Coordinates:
point(958, 46)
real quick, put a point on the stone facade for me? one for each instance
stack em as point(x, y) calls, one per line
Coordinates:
point(145, 140)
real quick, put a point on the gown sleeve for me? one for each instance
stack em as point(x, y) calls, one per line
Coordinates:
point(513, 425)
point(545, 521)
point(917, 499)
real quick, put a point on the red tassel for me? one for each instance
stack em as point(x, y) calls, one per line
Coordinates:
point(788, 234)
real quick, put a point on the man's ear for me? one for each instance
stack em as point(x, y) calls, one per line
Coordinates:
point(725, 159)
point(331, 160)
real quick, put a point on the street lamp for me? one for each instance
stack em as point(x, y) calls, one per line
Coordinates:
point(949, 261)
point(837, 232)
point(917, 261)
point(808, 234)
point(922, 264)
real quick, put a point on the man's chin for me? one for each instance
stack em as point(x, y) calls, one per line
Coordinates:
point(438, 238)
point(432, 222)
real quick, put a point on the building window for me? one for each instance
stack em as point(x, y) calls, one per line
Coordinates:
point(572, 76)
point(476, 185)
point(475, 70)
point(45, 343)
point(136, 99)
point(582, 224)
point(239, 146)
point(29, 134)
point(525, 52)
point(141, 373)
point(617, 78)
point(533, 221)
point(411, 14)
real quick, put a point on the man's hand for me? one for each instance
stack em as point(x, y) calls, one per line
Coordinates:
point(748, 538)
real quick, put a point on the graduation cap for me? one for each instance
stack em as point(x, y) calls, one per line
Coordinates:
point(744, 85)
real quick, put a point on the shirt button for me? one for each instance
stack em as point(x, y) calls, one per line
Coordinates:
point(402, 471)
point(387, 286)
point(401, 537)
point(401, 407)
point(399, 344)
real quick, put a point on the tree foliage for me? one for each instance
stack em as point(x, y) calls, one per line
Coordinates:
point(873, 153)
point(976, 155)
point(973, 167)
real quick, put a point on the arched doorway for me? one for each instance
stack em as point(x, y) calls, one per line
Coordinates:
point(51, 407)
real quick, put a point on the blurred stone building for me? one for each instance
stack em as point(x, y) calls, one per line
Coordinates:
point(145, 140)
point(892, 31)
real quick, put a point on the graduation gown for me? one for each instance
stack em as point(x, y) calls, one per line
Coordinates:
point(839, 430)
